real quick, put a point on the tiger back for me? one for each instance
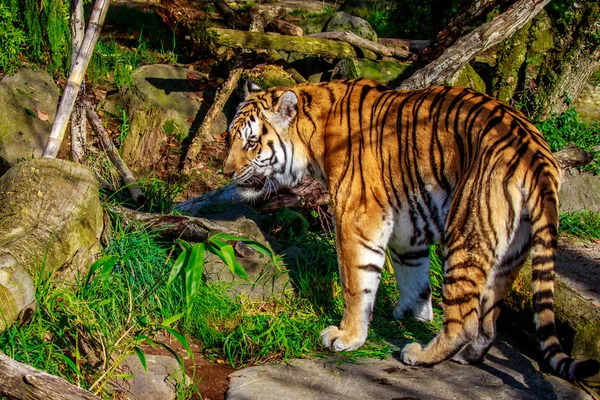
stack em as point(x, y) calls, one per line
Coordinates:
point(406, 169)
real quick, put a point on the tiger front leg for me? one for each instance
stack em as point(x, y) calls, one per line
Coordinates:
point(361, 255)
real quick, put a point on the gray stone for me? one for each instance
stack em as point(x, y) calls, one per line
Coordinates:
point(586, 345)
point(580, 191)
point(163, 380)
point(265, 278)
point(342, 21)
point(588, 102)
point(163, 101)
point(505, 374)
point(26, 99)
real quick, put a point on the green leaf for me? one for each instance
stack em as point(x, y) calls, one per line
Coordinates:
point(169, 321)
point(107, 262)
point(193, 272)
point(179, 262)
point(185, 245)
point(29, 112)
point(253, 244)
point(138, 351)
point(227, 254)
point(173, 353)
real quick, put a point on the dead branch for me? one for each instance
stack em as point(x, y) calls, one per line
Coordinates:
point(220, 99)
point(457, 56)
point(20, 381)
point(353, 39)
point(230, 16)
point(113, 154)
point(286, 28)
point(75, 78)
point(173, 227)
point(413, 45)
point(78, 126)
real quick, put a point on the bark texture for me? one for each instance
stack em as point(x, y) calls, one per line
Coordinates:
point(51, 217)
point(458, 55)
point(20, 381)
point(574, 57)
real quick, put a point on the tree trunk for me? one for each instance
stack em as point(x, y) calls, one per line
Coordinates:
point(457, 56)
point(20, 381)
point(510, 58)
point(50, 219)
point(574, 57)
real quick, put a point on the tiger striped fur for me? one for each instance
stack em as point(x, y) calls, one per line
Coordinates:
point(405, 169)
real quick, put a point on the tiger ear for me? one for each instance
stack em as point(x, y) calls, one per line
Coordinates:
point(251, 88)
point(285, 110)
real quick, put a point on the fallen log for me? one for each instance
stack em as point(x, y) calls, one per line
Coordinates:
point(172, 227)
point(414, 45)
point(270, 41)
point(572, 156)
point(20, 381)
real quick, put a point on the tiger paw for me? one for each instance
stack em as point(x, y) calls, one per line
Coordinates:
point(335, 339)
point(411, 354)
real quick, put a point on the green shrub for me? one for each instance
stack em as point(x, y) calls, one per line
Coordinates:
point(566, 129)
point(12, 41)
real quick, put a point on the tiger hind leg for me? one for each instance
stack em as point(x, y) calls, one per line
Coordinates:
point(496, 290)
point(479, 231)
point(411, 268)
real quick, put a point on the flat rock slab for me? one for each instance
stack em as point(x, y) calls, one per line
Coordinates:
point(505, 374)
point(578, 266)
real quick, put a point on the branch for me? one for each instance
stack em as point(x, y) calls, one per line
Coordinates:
point(572, 156)
point(353, 39)
point(20, 381)
point(457, 56)
point(75, 78)
point(231, 18)
point(113, 154)
point(78, 127)
point(173, 227)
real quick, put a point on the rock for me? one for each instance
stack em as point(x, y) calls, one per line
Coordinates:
point(390, 73)
point(505, 374)
point(266, 279)
point(313, 24)
point(587, 345)
point(28, 104)
point(50, 216)
point(270, 76)
point(163, 380)
point(342, 21)
point(467, 77)
point(580, 191)
point(164, 100)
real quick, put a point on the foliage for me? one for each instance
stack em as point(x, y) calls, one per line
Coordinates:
point(37, 30)
point(12, 41)
point(584, 224)
point(411, 18)
point(566, 129)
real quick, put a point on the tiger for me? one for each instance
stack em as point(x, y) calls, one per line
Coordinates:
point(406, 169)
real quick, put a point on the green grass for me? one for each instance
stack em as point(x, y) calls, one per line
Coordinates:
point(566, 129)
point(584, 224)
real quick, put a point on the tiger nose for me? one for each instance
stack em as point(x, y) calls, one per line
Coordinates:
point(228, 170)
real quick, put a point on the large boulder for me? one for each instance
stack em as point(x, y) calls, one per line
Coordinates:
point(342, 21)
point(579, 192)
point(163, 378)
point(28, 104)
point(164, 101)
point(50, 218)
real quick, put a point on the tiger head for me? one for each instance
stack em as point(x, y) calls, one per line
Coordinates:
point(263, 155)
